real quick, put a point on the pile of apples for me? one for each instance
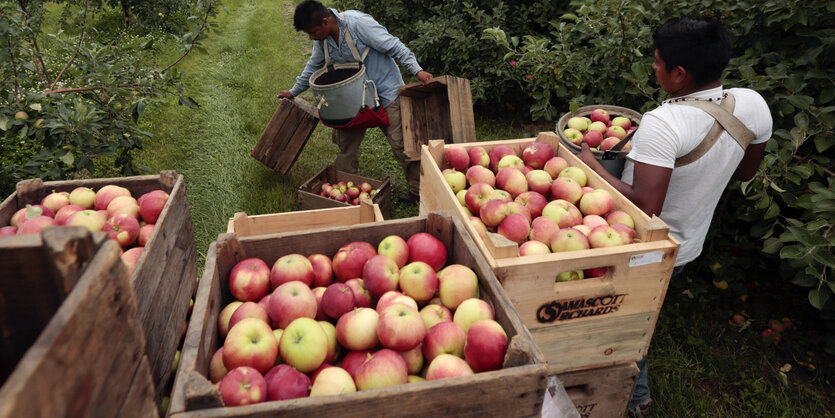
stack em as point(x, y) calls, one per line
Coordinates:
point(600, 130)
point(369, 317)
point(347, 192)
point(111, 209)
point(537, 201)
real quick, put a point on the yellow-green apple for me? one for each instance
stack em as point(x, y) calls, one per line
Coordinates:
point(533, 248)
point(357, 330)
point(497, 153)
point(151, 207)
point(499, 194)
point(318, 292)
point(248, 310)
point(425, 247)
point(479, 226)
point(242, 386)
point(623, 122)
point(456, 180)
point(415, 379)
point(332, 381)
point(457, 157)
point(579, 123)
point(575, 173)
point(56, 200)
point(478, 156)
point(108, 193)
point(290, 301)
point(536, 154)
point(396, 248)
point(597, 126)
point(534, 201)
point(597, 202)
point(608, 143)
point(145, 232)
point(511, 180)
point(604, 236)
point(383, 369)
point(303, 345)
point(362, 298)
point(555, 165)
point(567, 189)
point(400, 327)
point(593, 221)
point(333, 345)
point(587, 189)
point(457, 284)
point(250, 343)
point(583, 228)
point(433, 314)
point(593, 138)
point(569, 239)
point(518, 208)
point(65, 212)
point(337, 299)
point(83, 196)
point(285, 382)
point(618, 217)
point(573, 135)
point(8, 231)
point(595, 272)
point(30, 212)
point(539, 181)
point(249, 279)
point(380, 275)
point(35, 225)
point(486, 345)
point(447, 365)
point(216, 368)
point(413, 358)
point(277, 334)
point(322, 270)
point(225, 315)
point(391, 297)
point(515, 227)
point(568, 276)
point(563, 213)
point(291, 267)
point(600, 115)
point(627, 234)
point(314, 374)
point(419, 281)
point(123, 228)
point(131, 258)
point(477, 195)
point(350, 258)
point(510, 161)
point(353, 360)
point(615, 131)
point(123, 205)
point(480, 174)
point(493, 213)
point(462, 198)
point(470, 311)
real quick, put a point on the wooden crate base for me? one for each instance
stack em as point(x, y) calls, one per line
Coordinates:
point(603, 392)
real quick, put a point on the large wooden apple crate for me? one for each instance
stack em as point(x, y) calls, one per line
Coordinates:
point(165, 277)
point(603, 392)
point(581, 324)
point(286, 134)
point(309, 191)
point(515, 390)
point(246, 226)
point(71, 344)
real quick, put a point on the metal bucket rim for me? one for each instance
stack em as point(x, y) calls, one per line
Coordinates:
point(338, 84)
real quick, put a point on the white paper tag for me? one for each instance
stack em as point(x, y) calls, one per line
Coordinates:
point(646, 258)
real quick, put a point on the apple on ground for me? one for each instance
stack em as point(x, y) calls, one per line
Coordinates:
point(216, 368)
point(83, 196)
point(532, 200)
point(419, 281)
point(337, 299)
point(480, 174)
point(357, 330)
point(285, 382)
point(533, 248)
point(383, 369)
point(497, 153)
point(249, 279)
point(555, 166)
point(605, 236)
point(567, 189)
point(515, 227)
point(362, 298)
point(123, 228)
point(303, 345)
point(456, 180)
point(290, 301)
point(380, 275)
point(322, 270)
point(350, 259)
point(250, 343)
point(242, 386)
point(457, 284)
point(427, 248)
point(575, 173)
point(131, 258)
point(145, 232)
point(597, 202)
point(291, 267)
point(569, 239)
point(470, 311)
point(107, 194)
point(477, 195)
point(447, 365)
point(248, 310)
point(400, 327)
point(396, 248)
point(478, 156)
point(620, 217)
point(332, 381)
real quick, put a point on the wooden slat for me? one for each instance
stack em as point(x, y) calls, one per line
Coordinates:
point(286, 134)
point(244, 225)
point(410, 146)
point(139, 402)
point(602, 392)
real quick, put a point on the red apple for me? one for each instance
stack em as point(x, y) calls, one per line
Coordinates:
point(332, 381)
point(543, 229)
point(555, 165)
point(627, 234)
point(620, 217)
point(447, 365)
point(532, 200)
point(567, 189)
point(396, 248)
point(383, 369)
point(497, 153)
point(597, 202)
point(515, 227)
point(479, 226)
point(594, 272)
point(539, 181)
point(145, 232)
point(242, 386)
point(425, 247)
point(604, 236)
point(322, 270)
point(65, 212)
point(623, 122)
point(433, 314)
point(151, 207)
point(8, 230)
point(350, 259)
point(599, 115)
point(380, 275)
point(457, 284)
point(318, 292)
point(108, 193)
point(413, 358)
point(477, 195)
point(35, 225)
point(56, 200)
point(250, 343)
point(290, 301)
point(480, 174)
point(569, 239)
point(615, 132)
point(493, 212)
point(303, 344)
point(362, 297)
point(357, 330)
point(285, 382)
point(337, 299)
point(608, 143)
point(400, 327)
point(131, 258)
point(478, 156)
point(470, 311)
point(248, 310)
point(291, 267)
point(353, 360)
point(249, 279)
point(512, 180)
point(458, 157)
point(593, 221)
point(123, 205)
point(123, 228)
point(536, 154)
point(563, 213)
point(419, 281)
point(486, 345)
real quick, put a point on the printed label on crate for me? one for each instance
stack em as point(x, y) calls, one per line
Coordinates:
point(562, 310)
point(647, 258)
point(585, 410)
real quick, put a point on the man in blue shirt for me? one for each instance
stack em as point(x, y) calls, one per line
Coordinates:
point(326, 27)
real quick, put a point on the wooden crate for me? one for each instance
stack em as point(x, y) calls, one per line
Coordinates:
point(441, 109)
point(245, 226)
point(309, 191)
point(164, 278)
point(286, 134)
point(581, 324)
point(516, 390)
point(70, 291)
point(601, 393)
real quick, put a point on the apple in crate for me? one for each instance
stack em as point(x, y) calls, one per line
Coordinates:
point(575, 173)
point(419, 281)
point(248, 310)
point(458, 157)
point(123, 205)
point(249, 279)
point(478, 156)
point(536, 154)
point(56, 200)
point(243, 386)
point(623, 122)
point(285, 382)
point(605, 236)
point(457, 284)
point(303, 345)
point(425, 247)
point(479, 226)
point(151, 205)
point(445, 337)
point(396, 248)
point(291, 301)
point(224, 317)
point(597, 202)
point(414, 359)
point(470, 311)
point(251, 343)
point(131, 258)
point(569, 239)
point(216, 368)
point(400, 327)
point(93, 220)
point(333, 344)
point(593, 221)
point(318, 293)
point(512, 180)
point(83, 196)
point(353, 360)
point(447, 365)
point(433, 314)
point(30, 212)
point(555, 165)
point(512, 161)
point(145, 232)
point(383, 369)
point(533, 248)
point(35, 225)
point(563, 213)
point(337, 299)
point(362, 298)
point(493, 212)
point(123, 228)
point(391, 297)
point(532, 200)
point(480, 174)
point(477, 195)
point(333, 381)
point(291, 267)
point(350, 259)
point(106, 194)
point(322, 270)
point(515, 227)
point(65, 212)
point(627, 234)
point(357, 330)
point(567, 189)
point(456, 180)
point(497, 153)
point(8, 231)
point(380, 275)
point(486, 345)
point(543, 229)
point(539, 181)
point(620, 217)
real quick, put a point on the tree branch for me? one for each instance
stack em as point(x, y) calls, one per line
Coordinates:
point(806, 160)
point(199, 32)
point(78, 89)
point(77, 47)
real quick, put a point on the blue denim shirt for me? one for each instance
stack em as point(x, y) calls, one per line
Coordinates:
point(380, 64)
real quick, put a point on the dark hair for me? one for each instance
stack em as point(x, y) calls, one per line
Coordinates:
point(309, 13)
point(699, 45)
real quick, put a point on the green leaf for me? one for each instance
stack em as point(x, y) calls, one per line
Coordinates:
point(801, 101)
point(818, 298)
point(804, 170)
point(776, 188)
point(67, 159)
point(4, 122)
point(772, 245)
point(805, 280)
point(792, 252)
point(824, 256)
point(822, 142)
point(802, 120)
point(772, 211)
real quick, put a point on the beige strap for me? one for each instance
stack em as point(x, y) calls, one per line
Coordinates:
point(725, 121)
point(351, 45)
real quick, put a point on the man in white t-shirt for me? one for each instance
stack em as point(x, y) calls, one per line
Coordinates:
point(690, 55)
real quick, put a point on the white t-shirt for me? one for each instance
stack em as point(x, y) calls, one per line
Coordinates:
point(671, 131)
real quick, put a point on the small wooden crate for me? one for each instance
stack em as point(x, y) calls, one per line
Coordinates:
point(440, 109)
point(601, 393)
point(309, 191)
point(286, 134)
point(71, 345)
point(581, 324)
point(164, 277)
point(246, 226)
point(515, 390)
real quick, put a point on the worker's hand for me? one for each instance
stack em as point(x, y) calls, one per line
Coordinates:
point(586, 155)
point(285, 94)
point(424, 76)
